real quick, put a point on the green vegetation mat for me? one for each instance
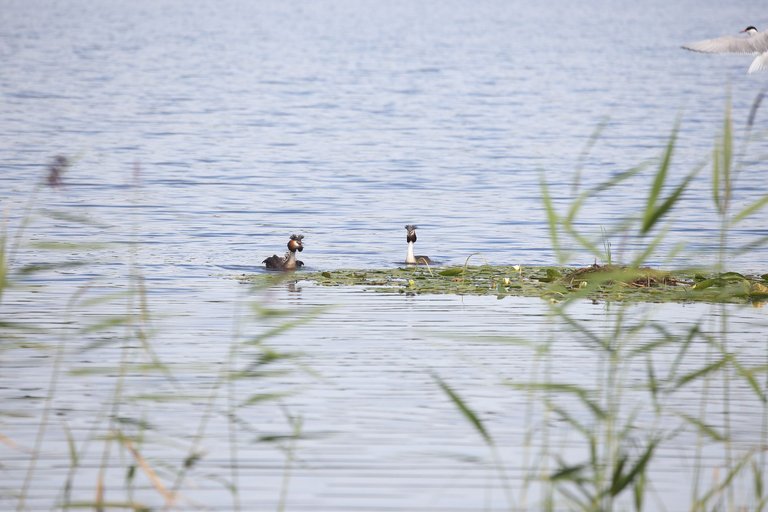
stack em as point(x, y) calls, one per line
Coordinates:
point(609, 283)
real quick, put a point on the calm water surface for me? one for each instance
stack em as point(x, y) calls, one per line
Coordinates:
point(203, 134)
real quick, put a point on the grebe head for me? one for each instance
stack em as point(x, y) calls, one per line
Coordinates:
point(750, 30)
point(295, 244)
point(411, 236)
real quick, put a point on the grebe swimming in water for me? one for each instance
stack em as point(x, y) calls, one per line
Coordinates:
point(410, 259)
point(289, 261)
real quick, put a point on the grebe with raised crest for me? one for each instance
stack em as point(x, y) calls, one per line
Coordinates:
point(289, 261)
point(410, 259)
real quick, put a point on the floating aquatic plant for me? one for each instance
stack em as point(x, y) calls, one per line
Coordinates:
point(596, 282)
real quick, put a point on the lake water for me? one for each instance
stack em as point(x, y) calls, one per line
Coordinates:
point(202, 134)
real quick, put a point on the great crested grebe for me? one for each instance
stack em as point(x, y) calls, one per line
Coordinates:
point(289, 261)
point(753, 42)
point(410, 259)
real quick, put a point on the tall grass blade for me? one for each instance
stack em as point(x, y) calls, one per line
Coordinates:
point(722, 164)
point(568, 418)
point(99, 505)
point(693, 333)
point(757, 479)
point(639, 491)
point(649, 249)
point(577, 503)
point(287, 326)
point(579, 327)
point(150, 473)
point(465, 410)
point(750, 210)
point(751, 246)
point(553, 387)
point(264, 397)
point(620, 482)
point(717, 489)
point(727, 151)
point(749, 376)
point(716, 172)
point(593, 138)
point(602, 187)
point(3, 268)
point(653, 383)
point(552, 217)
point(74, 457)
point(572, 472)
point(653, 216)
point(695, 375)
point(583, 241)
point(659, 180)
point(703, 428)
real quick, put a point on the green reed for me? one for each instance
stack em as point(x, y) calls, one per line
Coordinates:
point(124, 459)
point(621, 437)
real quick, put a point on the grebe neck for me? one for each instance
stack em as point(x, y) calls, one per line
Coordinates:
point(290, 260)
point(410, 258)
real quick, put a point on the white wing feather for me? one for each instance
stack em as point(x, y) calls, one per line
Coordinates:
point(759, 64)
point(755, 43)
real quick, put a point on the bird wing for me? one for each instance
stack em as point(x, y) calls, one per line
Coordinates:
point(756, 43)
point(273, 261)
point(759, 64)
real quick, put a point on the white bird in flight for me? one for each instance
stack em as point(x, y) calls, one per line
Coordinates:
point(752, 41)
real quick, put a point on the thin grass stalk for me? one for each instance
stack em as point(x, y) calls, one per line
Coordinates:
point(728, 445)
point(700, 437)
point(194, 447)
point(607, 383)
point(548, 489)
point(99, 498)
point(3, 263)
point(136, 298)
point(26, 219)
point(651, 214)
point(552, 219)
point(726, 182)
point(65, 500)
point(479, 426)
point(43, 425)
point(231, 400)
point(297, 424)
point(532, 471)
point(723, 186)
point(585, 152)
point(764, 442)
